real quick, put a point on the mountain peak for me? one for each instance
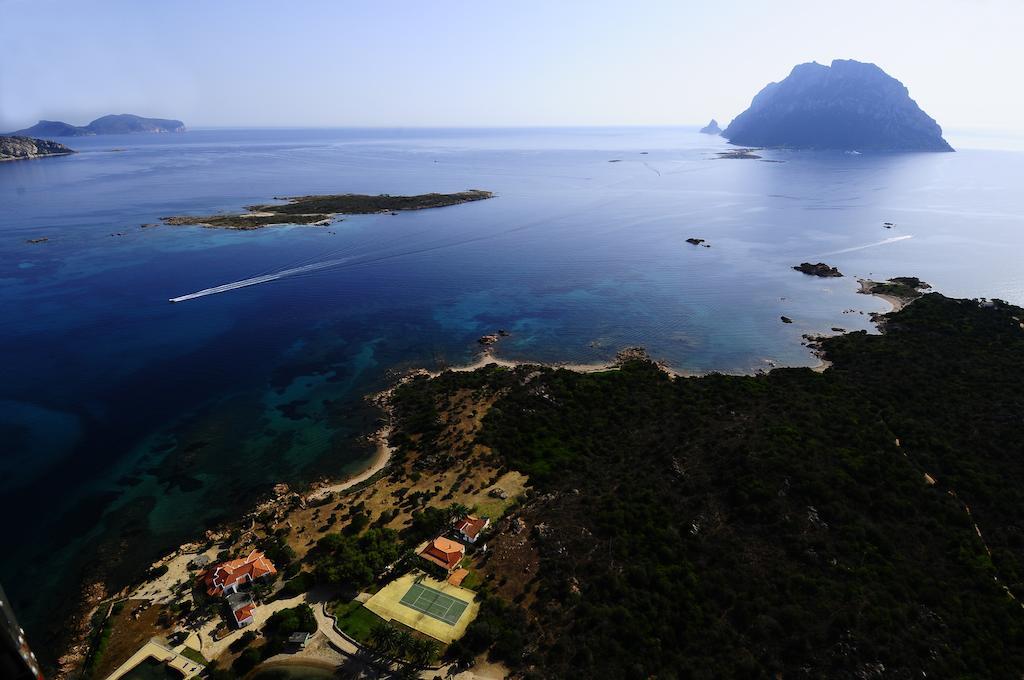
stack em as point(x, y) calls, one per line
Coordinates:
point(848, 105)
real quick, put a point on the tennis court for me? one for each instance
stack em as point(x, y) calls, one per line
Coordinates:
point(432, 607)
point(434, 603)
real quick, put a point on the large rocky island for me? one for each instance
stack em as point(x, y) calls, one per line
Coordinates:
point(116, 124)
point(849, 105)
point(20, 148)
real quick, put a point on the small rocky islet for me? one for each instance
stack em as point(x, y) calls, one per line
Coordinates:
point(819, 269)
point(711, 128)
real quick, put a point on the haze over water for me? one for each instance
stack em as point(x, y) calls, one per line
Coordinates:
point(130, 424)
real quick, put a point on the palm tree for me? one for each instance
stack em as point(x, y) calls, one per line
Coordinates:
point(423, 652)
point(384, 639)
point(457, 511)
point(404, 644)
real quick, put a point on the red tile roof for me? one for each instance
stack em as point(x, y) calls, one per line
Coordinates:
point(226, 574)
point(471, 526)
point(444, 552)
point(245, 612)
point(458, 576)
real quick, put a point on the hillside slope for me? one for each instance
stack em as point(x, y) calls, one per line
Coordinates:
point(793, 524)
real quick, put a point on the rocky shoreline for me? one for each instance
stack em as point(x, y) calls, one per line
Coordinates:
point(26, 148)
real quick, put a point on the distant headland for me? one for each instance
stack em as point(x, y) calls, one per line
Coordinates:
point(21, 148)
point(849, 105)
point(116, 124)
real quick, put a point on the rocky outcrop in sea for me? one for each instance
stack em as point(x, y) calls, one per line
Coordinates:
point(711, 128)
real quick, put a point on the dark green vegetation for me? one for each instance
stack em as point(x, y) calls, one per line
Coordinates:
point(390, 642)
point(350, 561)
point(778, 525)
point(820, 269)
point(499, 627)
point(310, 209)
point(903, 287)
point(356, 620)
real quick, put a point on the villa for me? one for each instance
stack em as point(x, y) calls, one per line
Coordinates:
point(226, 577)
point(443, 552)
point(469, 527)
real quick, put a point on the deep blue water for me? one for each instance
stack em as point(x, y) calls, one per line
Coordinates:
point(128, 424)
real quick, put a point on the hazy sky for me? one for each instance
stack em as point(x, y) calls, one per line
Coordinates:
point(480, 63)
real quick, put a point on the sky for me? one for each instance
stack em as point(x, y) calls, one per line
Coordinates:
point(436, 63)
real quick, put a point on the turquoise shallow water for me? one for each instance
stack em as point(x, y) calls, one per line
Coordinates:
point(129, 424)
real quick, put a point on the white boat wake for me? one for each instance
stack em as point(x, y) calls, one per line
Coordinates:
point(255, 280)
point(894, 239)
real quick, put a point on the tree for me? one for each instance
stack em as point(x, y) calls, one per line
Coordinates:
point(384, 639)
point(456, 511)
point(356, 562)
point(423, 652)
point(404, 644)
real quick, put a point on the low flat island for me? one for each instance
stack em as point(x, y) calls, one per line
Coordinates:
point(321, 209)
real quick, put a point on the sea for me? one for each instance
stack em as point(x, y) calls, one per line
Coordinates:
point(129, 424)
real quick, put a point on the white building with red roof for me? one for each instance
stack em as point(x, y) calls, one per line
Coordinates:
point(469, 527)
point(226, 577)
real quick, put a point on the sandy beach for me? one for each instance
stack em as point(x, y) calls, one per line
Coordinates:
point(380, 460)
point(896, 303)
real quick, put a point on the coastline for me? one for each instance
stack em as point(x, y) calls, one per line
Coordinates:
point(866, 288)
point(32, 157)
point(381, 459)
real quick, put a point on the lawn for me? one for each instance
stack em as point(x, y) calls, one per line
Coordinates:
point(195, 655)
point(473, 581)
point(356, 620)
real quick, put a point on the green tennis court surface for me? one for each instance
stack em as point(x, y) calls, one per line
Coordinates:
point(434, 603)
